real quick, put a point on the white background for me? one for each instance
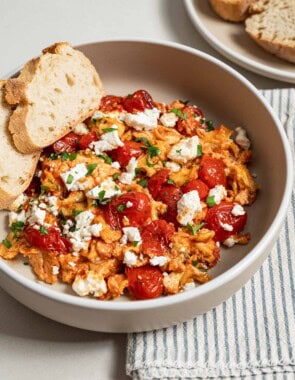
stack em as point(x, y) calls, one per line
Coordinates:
point(33, 347)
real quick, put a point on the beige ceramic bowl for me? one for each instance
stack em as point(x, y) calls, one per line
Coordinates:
point(170, 71)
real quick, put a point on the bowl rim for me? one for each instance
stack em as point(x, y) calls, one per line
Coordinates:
point(223, 278)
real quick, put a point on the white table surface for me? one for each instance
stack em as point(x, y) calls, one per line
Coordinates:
point(33, 347)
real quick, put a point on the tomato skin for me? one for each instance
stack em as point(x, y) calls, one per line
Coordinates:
point(52, 241)
point(212, 172)
point(156, 237)
point(189, 125)
point(137, 214)
point(170, 195)
point(196, 184)
point(34, 187)
point(156, 182)
point(222, 213)
point(145, 282)
point(68, 143)
point(85, 140)
point(124, 153)
point(138, 101)
point(111, 103)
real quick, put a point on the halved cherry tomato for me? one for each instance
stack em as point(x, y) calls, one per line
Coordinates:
point(111, 103)
point(221, 214)
point(188, 124)
point(170, 195)
point(85, 140)
point(196, 184)
point(138, 101)
point(68, 143)
point(212, 171)
point(145, 282)
point(156, 182)
point(124, 153)
point(52, 241)
point(34, 187)
point(137, 214)
point(156, 237)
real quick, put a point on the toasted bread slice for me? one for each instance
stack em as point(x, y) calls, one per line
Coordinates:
point(232, 10)
point(16, 169)
point(274, 28)
point(53, 93)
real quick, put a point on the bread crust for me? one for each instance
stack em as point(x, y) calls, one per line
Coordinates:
point(231, 10)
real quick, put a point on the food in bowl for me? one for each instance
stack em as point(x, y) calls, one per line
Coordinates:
point(136, 199)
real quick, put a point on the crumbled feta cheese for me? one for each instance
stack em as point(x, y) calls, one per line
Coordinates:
point(238, 210)
point(218, 192)
point(72, 264)
point(36, 215)
point(93, 284)
point(108, 141)
point(39, 173)
point(68, 224)
point(187, 206)
point(186, 149)
point(54, 270)
point(98, 115)
point(42, 206)
point(173, 166)
point(189, 286)
point(95, 229)
point(130, 259)
point(84, 219)
point(226, 226)
point(108, 186)
point(131, 234)
point(17, 217)
point(169, 119)
point(229, 242)
point(143, 121)
point(71, 178)
point(115, 165)
point(81, 129)
point(242, 139)
point(129, 204)
point(158, 260)
point(128, 177)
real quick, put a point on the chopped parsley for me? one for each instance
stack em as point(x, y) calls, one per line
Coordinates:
point(199, 150)
point(90, 169)
point(101, 199)
point(64, 156)
point(178, 151)
point(72, 156)
point(26, 263)
point(107, 130)
point(43, 230)
point(194, 229)
point(70, 179)
point(76, 212)
point(7, 243)
point(17, 227)
point(44, 189)
point(135, 243)
point(170, 182)
point(137, 171)
point(143, 182)
point(152, 151)
point(211, 201)
point(121, 208)
point(195, 263)
point(106, 158)
point(209, 124)
point(54, 156)
point(179, 113)
point(115, 176)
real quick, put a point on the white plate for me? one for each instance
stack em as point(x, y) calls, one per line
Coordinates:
point(231, 40)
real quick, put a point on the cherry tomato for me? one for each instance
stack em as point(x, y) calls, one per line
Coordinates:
point(34, 187)
point(222, 214)
point(145, 282)
point(188, 124)
point(156, 237)
point(111, 103)
point(212, 171)
point(156, 182)
point(170, 195)
point(68, 143)
point(138, 101)
point(52, 241)
point(124, 153)
point(137, 214)
point(85, 140)
point(196, 184)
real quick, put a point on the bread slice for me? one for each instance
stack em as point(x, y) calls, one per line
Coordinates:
point(274, 28)
point(232, 10)
point(16, 169)
point(53, 93)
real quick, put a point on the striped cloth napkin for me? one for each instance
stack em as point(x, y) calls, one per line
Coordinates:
point(252, 334)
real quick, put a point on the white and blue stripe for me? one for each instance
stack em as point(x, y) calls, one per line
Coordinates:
point(252, 334)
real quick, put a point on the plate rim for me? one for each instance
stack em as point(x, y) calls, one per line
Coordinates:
point(235, 57)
